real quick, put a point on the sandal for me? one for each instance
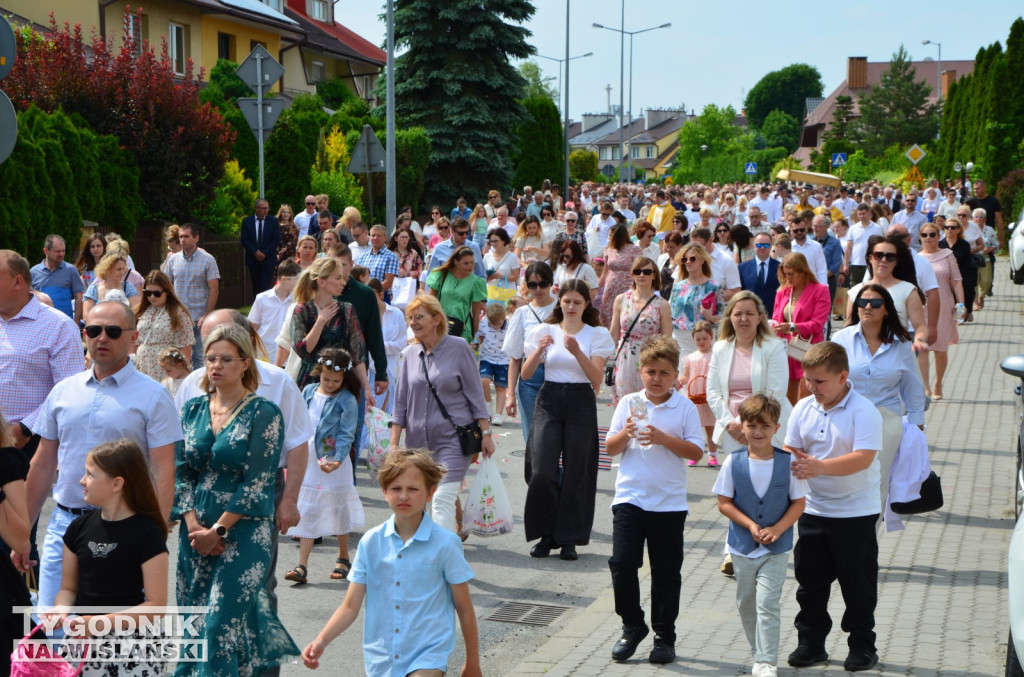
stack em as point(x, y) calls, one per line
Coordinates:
point(340, 574)
point(298, 574)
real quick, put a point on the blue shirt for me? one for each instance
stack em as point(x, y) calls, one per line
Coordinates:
point(82, 412)
point(444, 250)
point(465, 213)
point(379, 263)
point(888, 378)
point(60, 285)
point(410, 614)
point(833, 250)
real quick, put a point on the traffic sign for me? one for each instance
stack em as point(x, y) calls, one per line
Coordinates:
point(914, 175)
point(838, 159)
point(8, 48)
point(260, 70)
point(957, 167)
point(915, 154)
point(271, 111)
point(368, 155)
point(8, 127)
point(751, 168)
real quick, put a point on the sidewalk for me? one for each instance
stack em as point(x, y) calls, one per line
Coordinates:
point(942, 607)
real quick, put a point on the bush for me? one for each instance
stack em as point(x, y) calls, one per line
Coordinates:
point(582, 166)
point(1010, 193)
point(232, 201)
point(330, 175)
point(335, 93)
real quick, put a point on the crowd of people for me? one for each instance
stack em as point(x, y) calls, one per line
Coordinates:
point(708, 312)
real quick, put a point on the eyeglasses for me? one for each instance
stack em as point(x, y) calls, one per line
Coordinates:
point(211, 360)
point(798, 231)
point(330, 364)
point(643, 271)
point(763, 245)
point(929, 236)
point(722, 230)
point(690, 259)
point(874, 303)
point(884, 256)
point(435, 213)
point(538, 285)
point(113, 331)
point(149, 292)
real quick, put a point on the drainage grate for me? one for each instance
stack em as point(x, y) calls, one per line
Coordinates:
point(527, 613)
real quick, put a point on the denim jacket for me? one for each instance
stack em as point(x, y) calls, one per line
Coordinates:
point(336, 429)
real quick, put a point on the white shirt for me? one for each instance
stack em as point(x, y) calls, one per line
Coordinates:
point(858, 234)
point(561, 366)
point(852, 424)
point(508, 263)
point(815, 256)
point(268, 311)
point(845, 205)
point(654, 479)
point(275, 386)
point(393, 327)
point(302, 221)
point(523, 321)
point(584, 271)
point(948, 210)
point(358, 250)
point(761, 479)
point(601, 227)
point(767, 207)
point(724, 270)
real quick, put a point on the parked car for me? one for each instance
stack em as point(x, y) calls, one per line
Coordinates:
point(1016, 246)
point(1014, 366)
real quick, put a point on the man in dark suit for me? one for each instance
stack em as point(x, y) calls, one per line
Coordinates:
point(761, 273)
point(261, 234)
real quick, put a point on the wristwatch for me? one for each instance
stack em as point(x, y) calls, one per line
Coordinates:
point(220, 529)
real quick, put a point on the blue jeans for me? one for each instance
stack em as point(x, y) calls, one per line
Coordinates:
point(527, 391)
point(197, 348)
point(51, 564)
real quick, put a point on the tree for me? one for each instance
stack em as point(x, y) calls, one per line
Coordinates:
point(232, 202)
point(786, 90)
point(536, 85)
point(456, 81)
point(781, 129)
point(330, 173)
point(897, 110)
point(714, 129)
point(288, 162)
point(842, 127)
point(582, 165)
point(539, 154)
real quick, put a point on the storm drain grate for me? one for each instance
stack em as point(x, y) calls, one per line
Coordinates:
point(527, 613)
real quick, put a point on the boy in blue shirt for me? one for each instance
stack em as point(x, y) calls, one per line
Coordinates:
point(415, 578)
point(650, 498)
point(762, 500)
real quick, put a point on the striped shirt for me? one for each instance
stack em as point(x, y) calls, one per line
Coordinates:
point(190, 277)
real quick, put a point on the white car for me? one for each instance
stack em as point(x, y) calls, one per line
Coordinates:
point(1014, 366)
point(1016, 245)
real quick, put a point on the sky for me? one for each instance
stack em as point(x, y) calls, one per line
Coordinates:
point(715, 53)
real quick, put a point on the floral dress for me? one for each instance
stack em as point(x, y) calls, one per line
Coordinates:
point(618, 277)
point(289, 240)
point(343, 331)
point(687, 298)
point(155, 334)
point(234, 471)
point(627, 366)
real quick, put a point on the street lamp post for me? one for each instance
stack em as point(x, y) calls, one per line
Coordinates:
point(964, 170)
point(630, 118)
point(560, 62)
point(565, 109)
point(938, 79)
point(703, 153)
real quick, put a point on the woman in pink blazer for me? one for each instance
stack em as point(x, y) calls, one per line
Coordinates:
point(802, 306)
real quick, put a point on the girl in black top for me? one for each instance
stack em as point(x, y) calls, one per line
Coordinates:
point(116, 555)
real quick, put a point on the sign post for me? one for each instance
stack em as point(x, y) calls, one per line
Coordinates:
point(367, 157)
point(915, 154)
point(259, 72)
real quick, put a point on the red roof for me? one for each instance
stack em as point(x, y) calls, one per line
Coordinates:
point(355, 44)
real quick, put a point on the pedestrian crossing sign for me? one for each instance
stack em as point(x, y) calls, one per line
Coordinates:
point(751, 168)
point(838, 159)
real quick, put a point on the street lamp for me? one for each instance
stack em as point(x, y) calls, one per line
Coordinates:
point(964, 170)
point(703, 153)
point(624, 33)
point(560, 62)
point(938, 79)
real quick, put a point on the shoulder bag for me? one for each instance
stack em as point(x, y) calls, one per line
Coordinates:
point(471, 437)
point(609, 367)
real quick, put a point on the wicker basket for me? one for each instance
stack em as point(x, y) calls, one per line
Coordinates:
point(697, 398)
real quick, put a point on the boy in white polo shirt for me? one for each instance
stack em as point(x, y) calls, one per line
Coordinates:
point(650, 498)
point(835, 435)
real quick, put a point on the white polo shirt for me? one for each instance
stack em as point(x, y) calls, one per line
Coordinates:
point(852, 424)
point(654, 479)
point(724, 270)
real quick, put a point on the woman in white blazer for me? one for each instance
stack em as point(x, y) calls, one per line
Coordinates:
point(748, 358)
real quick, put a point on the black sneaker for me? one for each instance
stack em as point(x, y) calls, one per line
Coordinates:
point(632, 635)
point(859, 660)
point(806, 656)
point(663, 651)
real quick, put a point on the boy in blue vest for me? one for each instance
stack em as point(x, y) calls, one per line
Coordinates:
point(762, 500)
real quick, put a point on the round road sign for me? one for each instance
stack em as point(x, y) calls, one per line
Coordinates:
point(8, 47)
point(8, 127)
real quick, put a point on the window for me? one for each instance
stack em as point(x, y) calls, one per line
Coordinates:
point(274, 4)
point(137, 32)
point(635, 151)
point(606, 153)
point(178, 47)
point(319, 10)
point(616, 152)
point(318, 71)
point(649, 152)
point(226, 46)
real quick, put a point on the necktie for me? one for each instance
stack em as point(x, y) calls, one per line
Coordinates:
point(763, 277)
point(259, 233)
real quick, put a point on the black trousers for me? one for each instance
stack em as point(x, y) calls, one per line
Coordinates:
point(663, 532)
point(970, 276)
point(857, 275)
point(262, 275)
point(561, 504)
point(831, 548)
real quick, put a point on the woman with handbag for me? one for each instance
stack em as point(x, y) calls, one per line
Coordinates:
point(637, 314)
point(502, 267)
point(883, 368)
point(439, 403)
point(574, 347)
point(462, 294)
point(802, 307)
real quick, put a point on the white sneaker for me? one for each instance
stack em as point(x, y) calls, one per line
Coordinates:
point(769, 670)
point(757, 669)
point(496, 420)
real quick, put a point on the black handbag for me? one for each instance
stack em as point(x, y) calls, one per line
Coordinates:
point(455, 325)
point(471, 437)
point(931, 498)
point(609, 367)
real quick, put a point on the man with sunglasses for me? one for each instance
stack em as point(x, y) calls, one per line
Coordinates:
point(110, 401)
point(811, 250)
point(306, 221)
point(761, 273)
point(601, 224)
point(460, 236)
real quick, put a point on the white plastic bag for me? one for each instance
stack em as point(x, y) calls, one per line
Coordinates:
point(488, 511)
point(378, 438)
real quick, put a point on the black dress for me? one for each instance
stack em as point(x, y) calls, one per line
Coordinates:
point(965, 262)
point(13, 467)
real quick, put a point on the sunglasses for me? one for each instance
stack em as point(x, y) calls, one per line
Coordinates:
point(929, 236)
point(444, 228)
point(643, 271)
point(310, 204)
point(874, 303)
point(113, 331)
point(570, 220)
point(330, 364)
point(149, 292)
point(884, 256)
point(952, 227)
point(798, 231)
point(463, 233)
point(763, 245)
point(435, 212)
point(538, 285)
point(690, 259)
point(722, 230)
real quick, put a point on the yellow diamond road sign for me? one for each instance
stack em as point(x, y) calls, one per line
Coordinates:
point(914, 174)
point(915, 154)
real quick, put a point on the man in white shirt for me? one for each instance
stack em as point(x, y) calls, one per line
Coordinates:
point(857, 244)
point(845, 203)
point(600, 224)
point(724, 270)
point(757, 223)
point(765, 204)
point(782, 198)
point(623, 200)
point(811, 250)
point(502, 221)
point(306, 220)
point(268, 312)
point(361, 240)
